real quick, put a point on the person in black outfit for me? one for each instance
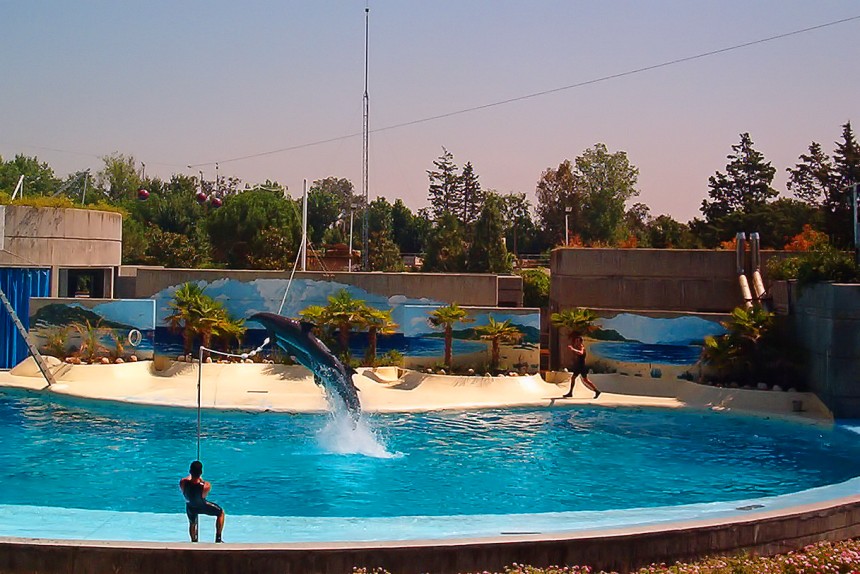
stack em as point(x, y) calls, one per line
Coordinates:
point(195, 490)
point(579, 369)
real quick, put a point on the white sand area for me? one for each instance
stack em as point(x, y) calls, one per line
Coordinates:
point(267, 387)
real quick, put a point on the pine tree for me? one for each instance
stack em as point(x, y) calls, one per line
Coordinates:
point(839, 212)
point(745, 185)
point(446, 250)
point(487, 252)
point(813, 178)
point(472, 196)
point(446, 193)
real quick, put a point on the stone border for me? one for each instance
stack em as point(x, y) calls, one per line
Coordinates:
point(766, 532)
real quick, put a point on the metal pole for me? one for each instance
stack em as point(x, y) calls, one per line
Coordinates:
point(854, 191)
point(304, 225)
point(365, 149)
point(199, 407)
point(350, 238)
point(566, 230)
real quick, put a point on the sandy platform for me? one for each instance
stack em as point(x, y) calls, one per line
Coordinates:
point(267, 387)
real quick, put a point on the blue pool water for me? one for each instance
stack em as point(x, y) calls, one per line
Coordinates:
point(98, 456)
point(634, 352)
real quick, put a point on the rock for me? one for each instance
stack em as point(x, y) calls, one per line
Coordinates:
point(119, 361)
point(429, 371)
point(761, 386)
point(733, 385)
point(208, 359)
point(132, 359)
point(792, 390)
point(70, 360)
point(470, 372)
point(487, 375)
point(181, 358)
point(441, 371)
point(248, 361)
point(776, 388)
point(513, 374)
point(104, 361)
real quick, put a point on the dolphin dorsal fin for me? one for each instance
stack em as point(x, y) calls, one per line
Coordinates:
point(307, 326)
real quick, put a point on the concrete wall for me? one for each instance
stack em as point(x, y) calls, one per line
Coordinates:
point(465, 289)
point(68, 237)
point(658, 279)
point(826, 318)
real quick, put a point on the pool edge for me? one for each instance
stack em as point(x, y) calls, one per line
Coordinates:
point(760, 532)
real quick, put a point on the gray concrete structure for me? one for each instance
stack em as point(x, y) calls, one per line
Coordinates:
point(826, 318)
point(477, 290)
point(73, 243)
point(621, 550)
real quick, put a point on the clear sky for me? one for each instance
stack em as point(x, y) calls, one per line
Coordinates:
point(179, 83)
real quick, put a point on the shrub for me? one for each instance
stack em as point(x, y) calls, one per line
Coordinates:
point(535, 288)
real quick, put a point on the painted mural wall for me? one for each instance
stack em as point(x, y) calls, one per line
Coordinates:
point(113, 328)
point(420, 344)
point(663, 346)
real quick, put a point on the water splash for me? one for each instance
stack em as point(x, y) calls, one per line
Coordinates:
point(344, 435)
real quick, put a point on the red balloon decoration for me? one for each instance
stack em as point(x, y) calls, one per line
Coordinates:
point(142, 194)
point(201, 197)
point(215, 201)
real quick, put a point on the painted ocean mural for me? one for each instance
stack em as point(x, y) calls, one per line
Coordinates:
point(420, 344)
point(639, 343)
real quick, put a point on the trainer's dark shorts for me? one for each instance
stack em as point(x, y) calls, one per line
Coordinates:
point(584, 372)
point(208, 508)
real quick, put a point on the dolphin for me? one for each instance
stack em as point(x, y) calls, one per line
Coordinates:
point(297, 340)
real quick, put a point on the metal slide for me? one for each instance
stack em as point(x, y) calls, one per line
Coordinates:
point(742, 279)
point(40, 361)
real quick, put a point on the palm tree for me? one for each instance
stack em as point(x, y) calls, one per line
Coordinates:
point(229, 330)
point(185, 316)
point(344, 312)
point(446, 317)
point(498, 332)
point(720, 353)
point(577, 321)
point(378, 322)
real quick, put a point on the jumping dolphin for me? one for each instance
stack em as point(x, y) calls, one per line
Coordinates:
point(297, 340)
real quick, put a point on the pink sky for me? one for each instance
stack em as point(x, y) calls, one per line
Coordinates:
point(200, 82)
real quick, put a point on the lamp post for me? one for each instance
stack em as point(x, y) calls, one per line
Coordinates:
point(567, 211)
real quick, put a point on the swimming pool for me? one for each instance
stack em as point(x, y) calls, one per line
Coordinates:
point(80, 463)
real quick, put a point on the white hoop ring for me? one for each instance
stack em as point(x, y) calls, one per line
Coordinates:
point(134, 337)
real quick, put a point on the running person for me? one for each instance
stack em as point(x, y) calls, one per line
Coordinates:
point(579, 369)
point(195, 490)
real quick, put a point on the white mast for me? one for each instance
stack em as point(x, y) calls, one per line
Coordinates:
point(304, 225)
point(365, 266)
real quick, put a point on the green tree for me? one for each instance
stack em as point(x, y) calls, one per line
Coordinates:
point(846, 163)
point(324, 212)
point(344, 313)
point(446, 250)
point(409, 231)
point(559, 194)
point(576, 321)
point(535, 287)
point(383, 253)
point(813, 179)
point(39, 178)
point(487, 252)
point(446, 187)
point(664, 232)
point(521, 233)
point(744, 189)
point(445, 318)
point(472, 196)
point(236, 230)
point(377, 322)
point(498, 333)
point(119, 178)
point(185, 313)
point(607, 181)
